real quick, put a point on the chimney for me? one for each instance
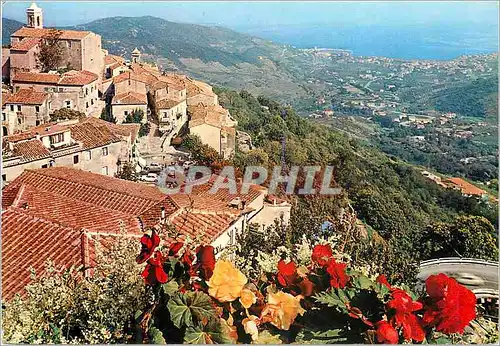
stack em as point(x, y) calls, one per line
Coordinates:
point(162, 214)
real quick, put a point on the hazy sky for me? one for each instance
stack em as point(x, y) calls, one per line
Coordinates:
point(268, 14)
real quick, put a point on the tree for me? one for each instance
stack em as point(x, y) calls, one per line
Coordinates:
point(107, 116)
point(51, 51)
point(127, 172)
point(466, 236)
point(135, 117)
point(66, 114)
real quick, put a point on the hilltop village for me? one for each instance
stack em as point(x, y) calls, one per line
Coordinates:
point(68, 129)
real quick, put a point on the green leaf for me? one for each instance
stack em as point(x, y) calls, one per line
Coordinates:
point(362, 282)
point(342, 296)
point(183, 307)
point(211, 333)
point(320, 337)
point(156, 336)
point(170, 288)
point(329, 298)
point(266, 338)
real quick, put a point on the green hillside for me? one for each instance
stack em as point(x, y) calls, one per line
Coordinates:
point(9, 26)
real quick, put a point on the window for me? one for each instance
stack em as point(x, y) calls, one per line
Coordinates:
point(105, 151)
point(68, 104)
point(104, 170)
point(4, 117)
point(86, 91)
point(91, 88)
point(37, 122)
point(88, 155)
point(125, 113)
point(86, 105)
point(17, 88)
point(19, 121)
point(91, 101)
point(75, 159)
point(58, 138)
point(4, 177)
point(37, 109)
point(50, 105)
point(45, 166)
point(18, 108)
point(12, 108)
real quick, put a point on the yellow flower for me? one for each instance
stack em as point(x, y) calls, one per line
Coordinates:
point(250, 326)
point(247, 298)
point(281, 309)
point(226, 282)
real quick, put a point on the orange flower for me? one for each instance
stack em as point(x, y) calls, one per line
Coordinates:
point(281, 309)
point(250, 326)
point(247, 298)
point(226, 283)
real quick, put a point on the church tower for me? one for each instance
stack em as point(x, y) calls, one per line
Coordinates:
point(136, 55)
point(34, 17)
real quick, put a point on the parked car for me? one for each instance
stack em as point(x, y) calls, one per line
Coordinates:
point(154, 168)
point(150, 177)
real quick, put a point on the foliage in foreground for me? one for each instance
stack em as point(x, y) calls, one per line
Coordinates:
point(198, 299)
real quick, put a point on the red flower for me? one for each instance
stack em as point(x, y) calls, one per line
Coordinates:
point(451, 306)
point(322, 254)
point(338, 276)
point(149, 244)
point(187, 258)
point(386, 334)
point(205, 261)
point(174, 248)
point(402, 307)
point(287, 273)
point(381, 279)
point(154, 272)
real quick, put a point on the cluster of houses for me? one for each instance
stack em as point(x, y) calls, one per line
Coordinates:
point(467, 189)
point(59, 193)
point(88, 80)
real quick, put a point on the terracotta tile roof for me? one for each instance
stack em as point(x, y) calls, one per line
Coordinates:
point(209, 225)
point(68, 78)
point(48, 129)
point(5, 97)
point(77, 78)
point(464, 186)
point(25, 44)
point(152, 216)
point(167, 104)
point(101, 190)
point(195, 87)
point(139, 77)
point(111, 59)
point(120, 130)
point(31, 77)
point(29, 242)
point(65, 34)
point(30, 150)
point(70, 212)
point(92, 136)
point(28, 97)
point(202, 199)
point(130, 98)
point(211, 115)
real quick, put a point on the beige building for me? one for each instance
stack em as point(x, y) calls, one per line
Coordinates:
point(126, 103)
point(26, 109)
point(86, 145)
point(214, 126)
point(199, 92)
point(76, 90)
point(81, 49)
point(172, 116)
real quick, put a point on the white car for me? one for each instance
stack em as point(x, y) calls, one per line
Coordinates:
point(469, 279)
point(150, 177)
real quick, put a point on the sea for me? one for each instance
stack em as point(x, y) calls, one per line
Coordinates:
point(400, 42)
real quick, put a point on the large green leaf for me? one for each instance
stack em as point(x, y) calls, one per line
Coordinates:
point(266, 338)
point(362, 282)
point(211, 333)
point(331, 299)
point(331, 336)
point(155, 336)
point(170, 288)
point(183, 307)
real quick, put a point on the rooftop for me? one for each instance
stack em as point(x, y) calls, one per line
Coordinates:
point(78, 78)
point(42, 32)
point(27, 97)
point(130, 98)
point(25, 44)
point(466, 187)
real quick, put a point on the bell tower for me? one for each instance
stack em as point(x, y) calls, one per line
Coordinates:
point(136, 55)
point(34, 17)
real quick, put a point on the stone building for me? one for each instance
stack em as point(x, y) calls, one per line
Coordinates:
point(214, 126)
point(82, 145)
point(82, 50)
point(126, 103)
point(76, 90)
point(26, 109)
